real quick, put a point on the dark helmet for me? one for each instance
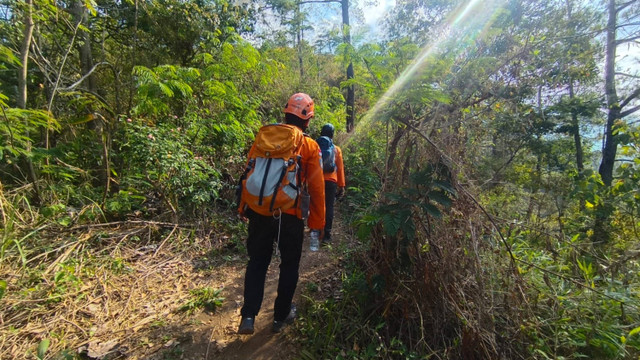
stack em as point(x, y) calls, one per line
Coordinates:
point(327, 130)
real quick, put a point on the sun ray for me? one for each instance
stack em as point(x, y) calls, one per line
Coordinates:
point(471, 18)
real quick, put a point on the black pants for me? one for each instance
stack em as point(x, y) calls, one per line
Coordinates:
point(263, 232)
point(330, 189)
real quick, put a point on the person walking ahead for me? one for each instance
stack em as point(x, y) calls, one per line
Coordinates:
point(334, 181)
point(283, 164)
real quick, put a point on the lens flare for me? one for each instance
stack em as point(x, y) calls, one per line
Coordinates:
point(467, 19)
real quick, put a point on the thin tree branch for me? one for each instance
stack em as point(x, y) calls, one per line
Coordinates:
point(74, 85)
point(8, 126)
point(625, 5)
point(629, 24)
point(624, 41)
point(633, 95)
point(373, 75)
point(628, 75)
point(64, 60)
point(132, 222)
point(630, 111)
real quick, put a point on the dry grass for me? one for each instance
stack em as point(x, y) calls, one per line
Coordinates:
point(97, 288)
point(446, 302)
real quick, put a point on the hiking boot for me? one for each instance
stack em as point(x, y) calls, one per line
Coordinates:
point(326, 241)
point(279, 325)
point(246, 326)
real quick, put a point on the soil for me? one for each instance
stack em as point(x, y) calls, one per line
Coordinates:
point(212, 335)
point(113, 292)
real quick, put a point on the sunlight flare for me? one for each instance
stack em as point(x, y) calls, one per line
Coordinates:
point(467, 20)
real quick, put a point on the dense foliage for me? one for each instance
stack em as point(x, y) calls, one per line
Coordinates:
point(491, 221)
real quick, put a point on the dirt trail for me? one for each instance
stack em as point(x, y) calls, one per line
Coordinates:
point(125, 298)
point(213, 335)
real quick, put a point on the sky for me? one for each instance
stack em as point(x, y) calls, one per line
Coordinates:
point(373, 13)
point(325, 17)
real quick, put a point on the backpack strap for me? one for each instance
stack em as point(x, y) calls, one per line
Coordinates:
point(264, 181)
point(275, 191)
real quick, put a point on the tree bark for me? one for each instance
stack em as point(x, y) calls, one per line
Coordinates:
point(601, 226)
point(299, 36)
point(24, 54)
point(393, 150)
point(351, 91)
point(576, 133)
point(86, 57)
point(613, 106)
point(22, 90)
point(99, 123)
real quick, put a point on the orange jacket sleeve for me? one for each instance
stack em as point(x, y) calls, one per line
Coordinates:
point(312, 176)
point(340, 168)
point(312, 167)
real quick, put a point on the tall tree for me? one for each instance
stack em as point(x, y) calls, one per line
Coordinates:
point(24, 53)
point(22, 86)
point(283, 5)
point(351, 91)
point(620, 16)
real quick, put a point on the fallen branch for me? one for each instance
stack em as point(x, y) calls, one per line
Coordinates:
point(132, 222)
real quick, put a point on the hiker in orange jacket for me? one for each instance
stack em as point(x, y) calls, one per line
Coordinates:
point(334, 183)
point(285, 228)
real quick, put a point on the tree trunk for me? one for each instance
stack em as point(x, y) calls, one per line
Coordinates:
point(393, 152)
point(576, 133)
point(610, 139)
point(81, 15)
point(22, 89)
point(299, 36)
point(24, 54)
point(300, 60)
point(351, 91)
point(601, 226)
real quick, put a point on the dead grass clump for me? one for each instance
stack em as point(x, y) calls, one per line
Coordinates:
point(97, 289)
point(447, 291)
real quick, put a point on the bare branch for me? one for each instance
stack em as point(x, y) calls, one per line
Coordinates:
point(74, 85)
point(630, 111)
point(624, 41)
point(373, 75)
point(629, 98)
point(625, 5)
point(628, 75)
point(629, 24)
point(64, 60)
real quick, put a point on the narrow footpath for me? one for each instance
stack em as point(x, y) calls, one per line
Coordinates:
point(213, 335)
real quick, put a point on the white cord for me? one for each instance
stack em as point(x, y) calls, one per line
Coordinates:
point(279, 218)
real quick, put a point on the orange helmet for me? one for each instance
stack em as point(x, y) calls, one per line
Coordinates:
point(300, 105)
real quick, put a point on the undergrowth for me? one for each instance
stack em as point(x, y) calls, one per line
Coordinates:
point(67, 279)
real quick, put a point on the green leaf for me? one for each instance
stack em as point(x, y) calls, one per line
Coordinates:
point(446, 186)
point(42, 348)
point(64, 221)
point(634, 331)
point(165, 89)
point(431, 210)
point(364, 230)
point(440, 197)
point(3, 288)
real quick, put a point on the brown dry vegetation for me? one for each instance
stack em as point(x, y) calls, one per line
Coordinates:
point(116, 290)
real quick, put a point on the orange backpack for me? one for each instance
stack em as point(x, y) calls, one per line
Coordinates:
point(271, 180)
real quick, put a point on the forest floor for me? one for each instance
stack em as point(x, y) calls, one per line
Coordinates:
point(119, 291)
point(213, 335)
